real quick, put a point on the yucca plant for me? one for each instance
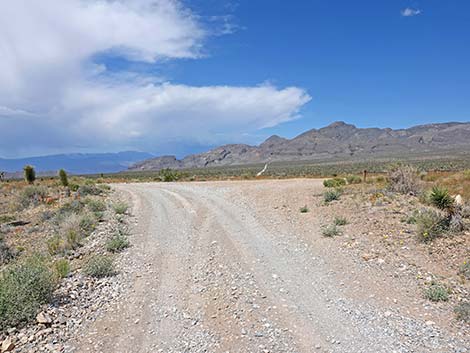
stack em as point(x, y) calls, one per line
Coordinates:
point(29, 174)
point(63, 178)
point(441, 198)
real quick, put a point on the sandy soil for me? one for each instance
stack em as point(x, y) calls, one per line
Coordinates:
point(235, 267)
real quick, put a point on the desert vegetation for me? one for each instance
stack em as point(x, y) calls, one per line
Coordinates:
point(45, 229)
point(435, 219)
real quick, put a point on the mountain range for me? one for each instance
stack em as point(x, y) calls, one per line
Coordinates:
point(76, 163)
point(336, 141)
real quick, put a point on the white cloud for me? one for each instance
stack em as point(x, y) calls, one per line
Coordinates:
point(410, 12)
point(54, 94)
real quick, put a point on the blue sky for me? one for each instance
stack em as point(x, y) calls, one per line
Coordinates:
point(177, 77)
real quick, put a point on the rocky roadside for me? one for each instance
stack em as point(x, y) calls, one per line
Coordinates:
point(78, 299)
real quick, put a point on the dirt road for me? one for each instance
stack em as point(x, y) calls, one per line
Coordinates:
point(214, 268)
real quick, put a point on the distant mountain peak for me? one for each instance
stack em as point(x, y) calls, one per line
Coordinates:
point(338, 140)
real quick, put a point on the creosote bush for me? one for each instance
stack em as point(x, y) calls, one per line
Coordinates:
point(24, 287)
point(29, 174)
point(404, 179)
point(86, 190)
point(437, 292)
point(99, 266)
point(334, 183)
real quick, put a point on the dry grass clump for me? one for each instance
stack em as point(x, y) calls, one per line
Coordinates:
point(404, 179)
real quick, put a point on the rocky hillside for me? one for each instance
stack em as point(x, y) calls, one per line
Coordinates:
point(338, 140)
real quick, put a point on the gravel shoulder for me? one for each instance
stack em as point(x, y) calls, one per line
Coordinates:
point(235, 267)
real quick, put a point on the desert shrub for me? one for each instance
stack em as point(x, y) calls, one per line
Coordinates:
point(63, 178)
point(54, 245)
point(331, 195)
point(99, 266)
point(464, 270)
point(62, 268)
point(331, 231)
point(441, 198)
point(85, 190)
point(437, 292)
point(340, 221)
point(24, 287)
point(104, 187)
point(430, 224)
point(5, 218)
point(120, 207)
point(466, 174)
point(96, 206)
point(87, 224)
point(404, 179)
point(72, 207)
point(334, 183)
point(304, 209)
point(462, 311)
point(71, 232)
point(29, 174)
point(168, 175)
point(31, 195)
point(6, 254)
point(74, 187)
point(117, 243)
point(353, 179)
point(380, 179)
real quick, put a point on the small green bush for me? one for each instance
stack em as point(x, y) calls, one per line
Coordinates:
point(96, 206)
point(86, 190)
point(120, 207)
point(63, 178)
point(436, 293)
point(99, 266)
point(331, 195)
point(87, 224)
point(117, 243)
point(168, 175)
point(334, 183)
point(441, 198)
point(353, 179)
point(304, 209)
point(331, 231)
point(340, 221)
point(54, 245)
point(462, 312)
point(62, 268)
point(29, 174)
point(74, 187)
point(430, 224)
point(24, 287)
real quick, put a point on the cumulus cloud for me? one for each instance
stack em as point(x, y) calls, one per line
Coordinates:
point(56, 94)
point(410, 12)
